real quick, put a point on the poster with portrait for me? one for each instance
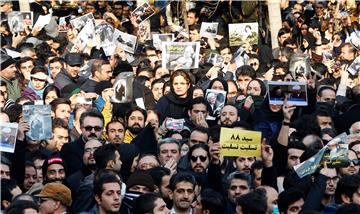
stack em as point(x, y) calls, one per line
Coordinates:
point(209, 29)
point(125, 41)
point(28, 17)
point(240, 57)
point(300, 66)
point(41, 22)
point(104, 34)
point(15, 21)
point(354, 68)
point(241, 33)
point(216, 99)
point(158, 39)
point(8, 134)
point(143, 12)
point(80, 22)
point(86, 38)
point(215, 59)
point(39, 119)
point(64, 23)
point(123, 88)
point(294, 92)
point(180, 55)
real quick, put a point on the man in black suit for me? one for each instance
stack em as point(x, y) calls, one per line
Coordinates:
point(91, 125)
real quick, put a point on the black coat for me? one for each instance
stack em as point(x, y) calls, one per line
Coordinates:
point(72, 154)
point(172, 106)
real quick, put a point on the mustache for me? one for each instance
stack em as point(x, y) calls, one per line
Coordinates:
point(93, 135)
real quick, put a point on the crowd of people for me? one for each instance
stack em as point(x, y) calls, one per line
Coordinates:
point(163, 154)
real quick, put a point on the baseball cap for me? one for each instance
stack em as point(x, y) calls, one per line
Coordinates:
point(57, 192)
point(73, 59)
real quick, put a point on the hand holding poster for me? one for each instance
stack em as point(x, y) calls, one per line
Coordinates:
point(8, 133)
point(39, 119)
point(240, 143)
point(158, 39)
point(294, 92)
point(180, 55)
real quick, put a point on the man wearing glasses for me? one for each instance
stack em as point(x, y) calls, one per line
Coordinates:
point(54, 198)
point(91, 125)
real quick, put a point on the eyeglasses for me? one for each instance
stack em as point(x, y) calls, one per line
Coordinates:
point(195, 158)
point(96, 128)
point(356, 162)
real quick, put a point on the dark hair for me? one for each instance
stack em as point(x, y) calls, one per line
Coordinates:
point(59, 123)
point(56, 59)
point(156, 81)
point(50, 88)
point(23, 60)
point(288, 197)
point(320, 67)
point(135, 108)
point(212, 201)
point(195, 12)
point(181, 177)
point(194, 27)
point(283, 31)
point(7, 185)
point(202, 130)
point(145, 203)
point(103, 177)
point(104, 154)
point(20, 206)
point(91, 113)
point(262, 86)
point(58, 101)
point(157, 173)
point(5, 161)
point(325, 87)
point(347, 185)
point(252, 203)
point(199, 146)
point(238, 175)
point(39, 69)
point(246, 70)
point(114, 121)
point(96, 66)
point(348, 209)
point(199, 100)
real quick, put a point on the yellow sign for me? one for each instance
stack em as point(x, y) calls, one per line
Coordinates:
point(240, 143)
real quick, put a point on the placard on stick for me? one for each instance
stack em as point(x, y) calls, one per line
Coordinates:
point(240, 143)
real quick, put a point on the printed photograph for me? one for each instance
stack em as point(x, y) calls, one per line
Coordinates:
point(104, 34)
point(142, 12)
point(123, 89)
point(39, 119)
point(242, 33)
point(180, 55)
point(80, 22)
point(209, 29)
point(216, 99)
point(295, 92)
point(15, 21)
point(158, 39)
point(125, 41)
point(8, 133)
point(27, 19)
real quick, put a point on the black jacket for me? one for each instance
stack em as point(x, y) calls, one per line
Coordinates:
point(172, 106)
point(72, 154)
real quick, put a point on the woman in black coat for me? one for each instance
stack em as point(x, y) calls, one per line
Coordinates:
point(176, 102)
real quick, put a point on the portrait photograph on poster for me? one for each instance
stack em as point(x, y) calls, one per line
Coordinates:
point(8, 134)
point(180, 55)
point(241, 33)
point(39, 119)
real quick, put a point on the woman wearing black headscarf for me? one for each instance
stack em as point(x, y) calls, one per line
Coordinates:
point(129, 156)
